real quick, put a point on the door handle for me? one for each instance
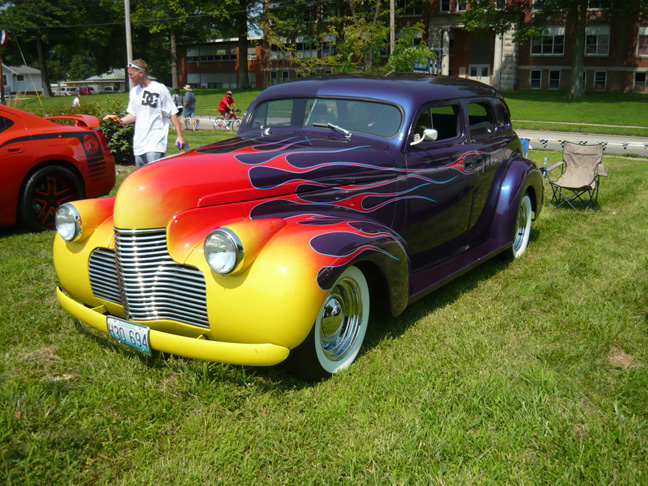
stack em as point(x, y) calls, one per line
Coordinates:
point(15, 150)
point(469, 163)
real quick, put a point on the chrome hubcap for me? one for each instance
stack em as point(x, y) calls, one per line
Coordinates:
point(522, 218)
point(341, 319)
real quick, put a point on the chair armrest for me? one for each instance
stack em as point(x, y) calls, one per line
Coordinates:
point(554, 166)
point(601, 171)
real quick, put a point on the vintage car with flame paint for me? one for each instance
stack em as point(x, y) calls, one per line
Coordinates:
point(45, 164)
point(337, 193)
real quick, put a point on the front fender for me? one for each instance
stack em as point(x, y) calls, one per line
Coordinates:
point(521, 177)
point(276, 297)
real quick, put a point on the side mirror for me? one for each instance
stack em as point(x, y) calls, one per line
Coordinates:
point(428, 134)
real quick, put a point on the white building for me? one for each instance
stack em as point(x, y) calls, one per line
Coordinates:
point(21, 79)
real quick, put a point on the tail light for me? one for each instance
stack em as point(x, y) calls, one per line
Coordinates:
point(102, 138)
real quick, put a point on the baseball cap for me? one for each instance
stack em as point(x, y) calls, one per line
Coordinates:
point(229, 92)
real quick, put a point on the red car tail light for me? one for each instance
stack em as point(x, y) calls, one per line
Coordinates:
point(102, 138)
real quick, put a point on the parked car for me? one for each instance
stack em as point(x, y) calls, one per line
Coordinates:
point(336, 194)
point(65, 91)
point(86, 90)
point(110, 89)
point(45, 164)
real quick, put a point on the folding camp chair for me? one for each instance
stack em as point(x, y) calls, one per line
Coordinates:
point(579, 180)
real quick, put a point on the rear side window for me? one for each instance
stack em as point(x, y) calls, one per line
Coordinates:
point(503, 115)
point(481, 120)
point(5, 123)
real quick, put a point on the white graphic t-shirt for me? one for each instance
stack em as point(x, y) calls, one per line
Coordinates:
point(152, 107)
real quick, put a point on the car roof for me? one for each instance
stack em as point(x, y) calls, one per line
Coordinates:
point(404, 89)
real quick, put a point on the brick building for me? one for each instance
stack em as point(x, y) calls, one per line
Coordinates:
point(616, 52)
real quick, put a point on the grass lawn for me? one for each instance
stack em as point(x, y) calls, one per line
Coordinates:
point(597, 112)
point(528, 372)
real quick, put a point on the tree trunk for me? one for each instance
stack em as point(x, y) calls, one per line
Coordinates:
point(47, 89)
point(243, 81)
point(578, 18)
point(174, 59)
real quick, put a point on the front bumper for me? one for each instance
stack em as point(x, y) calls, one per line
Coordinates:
point(262, 354)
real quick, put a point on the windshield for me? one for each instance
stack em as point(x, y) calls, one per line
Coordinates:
point(357, 116)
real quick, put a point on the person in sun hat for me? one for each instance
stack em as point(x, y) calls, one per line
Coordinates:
point(189, 108)
point(227, 105)
point(150, 106)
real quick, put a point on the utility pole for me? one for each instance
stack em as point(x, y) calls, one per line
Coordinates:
point(3, 41)
point(392, 27)
point(129, 47)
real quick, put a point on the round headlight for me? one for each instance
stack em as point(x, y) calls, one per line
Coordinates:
point(223, 250)
point(68, 222)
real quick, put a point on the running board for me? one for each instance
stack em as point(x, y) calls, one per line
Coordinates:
point(430, 279)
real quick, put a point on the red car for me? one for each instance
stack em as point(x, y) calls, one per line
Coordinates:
point(45, 164)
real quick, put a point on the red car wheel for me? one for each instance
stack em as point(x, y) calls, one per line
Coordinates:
point(44, 191)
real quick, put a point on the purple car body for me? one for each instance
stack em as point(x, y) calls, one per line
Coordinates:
point(453, 202)
point(337, 192)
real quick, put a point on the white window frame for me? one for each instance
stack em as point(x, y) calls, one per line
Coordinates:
point(410, 8)
point(550, 80)
point(482, 72)
point(642, 33)
point(539, 86)
point(595, 83)
point(461, 5)
point(601, 34)
point(643, 85)
point(448, 9)
point(305, 47)
point(552, 31)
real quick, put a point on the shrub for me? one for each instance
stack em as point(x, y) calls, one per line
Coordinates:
point(120, 139)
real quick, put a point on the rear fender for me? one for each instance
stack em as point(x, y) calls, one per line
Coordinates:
point(521, 177)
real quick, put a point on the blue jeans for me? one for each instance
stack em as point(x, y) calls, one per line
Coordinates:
point(147, 158)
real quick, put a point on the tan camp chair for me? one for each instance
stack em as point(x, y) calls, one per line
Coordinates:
point(581, 170)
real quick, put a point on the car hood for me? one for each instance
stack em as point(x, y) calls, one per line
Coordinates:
point(238, 170)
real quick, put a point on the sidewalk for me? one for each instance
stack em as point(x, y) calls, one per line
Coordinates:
point(612, 144)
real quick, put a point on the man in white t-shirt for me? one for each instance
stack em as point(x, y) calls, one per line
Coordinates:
point(150, 106)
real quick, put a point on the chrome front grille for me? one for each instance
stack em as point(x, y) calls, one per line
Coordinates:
point(148, 283)
point(104, 280)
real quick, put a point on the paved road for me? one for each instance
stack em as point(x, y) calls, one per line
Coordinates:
point(616, 144)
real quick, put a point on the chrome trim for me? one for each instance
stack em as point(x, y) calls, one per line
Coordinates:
point(104, 280)
point(235, 240)
point(146, 281)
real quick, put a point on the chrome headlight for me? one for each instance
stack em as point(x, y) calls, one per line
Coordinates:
point(68, 222)
point(223, 250)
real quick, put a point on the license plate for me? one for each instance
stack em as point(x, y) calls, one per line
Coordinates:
point(130, 333)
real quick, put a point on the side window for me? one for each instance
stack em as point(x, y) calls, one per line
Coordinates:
point(503, 115)
point(445, 120)
point(480, 119)
point(4, 123)
point(442, 118)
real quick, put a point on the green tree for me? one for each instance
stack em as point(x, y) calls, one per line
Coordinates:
point(82, 66)
point(171, 22)
point(26, 20)
point(363, 34)
point(64, 38)
point(483, 15)
point(408, 51)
